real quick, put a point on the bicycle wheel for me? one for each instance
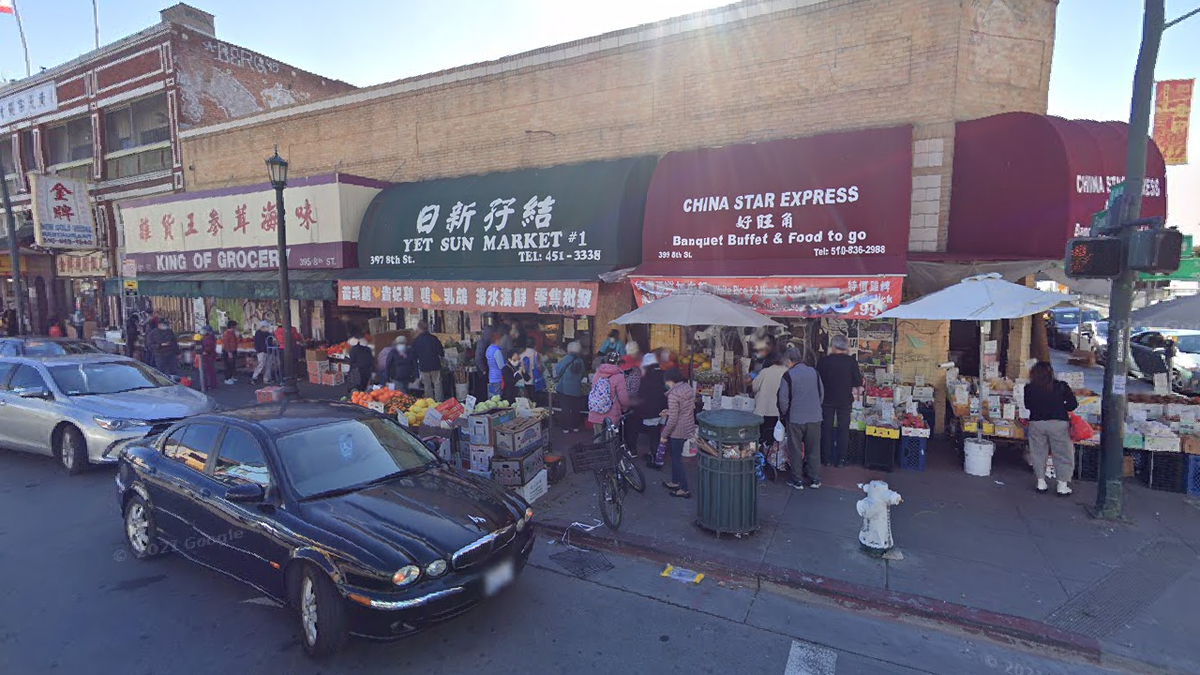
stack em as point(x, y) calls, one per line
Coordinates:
point(631, 472)
point(610, 502)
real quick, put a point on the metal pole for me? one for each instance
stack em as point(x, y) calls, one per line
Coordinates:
point(285, 304)
point(96, 20)
point(14, 254)
point(21, 32)
point(1110, 494)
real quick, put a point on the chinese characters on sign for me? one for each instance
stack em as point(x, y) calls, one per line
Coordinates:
point(565, 298)
point(832, 297)
point(90, 264)
point(1172, 115)
point(62, 214)
point(28, 103)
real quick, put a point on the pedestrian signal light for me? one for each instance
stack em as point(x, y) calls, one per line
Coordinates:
point(1156, 250)
point(1093, 258)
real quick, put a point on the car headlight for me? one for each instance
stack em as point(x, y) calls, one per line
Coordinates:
point(436, 568)
point(525, 520)
point(118, 423)
point(406, 575)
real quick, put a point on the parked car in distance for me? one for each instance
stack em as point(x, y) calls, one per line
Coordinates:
point(44, 346)
point(83, 408)
point(1062, 322)
point(1148, 357)
point(334, 510)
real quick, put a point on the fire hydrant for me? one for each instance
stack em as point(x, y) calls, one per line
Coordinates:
point(876, 532)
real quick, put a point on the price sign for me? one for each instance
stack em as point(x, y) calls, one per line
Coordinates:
point(1162, 385)
point(919, 381)
point(470, 403)
point(910, 408)
point(1075, 379)
point(889, 413)
point(990, 347)
point(1010, 411)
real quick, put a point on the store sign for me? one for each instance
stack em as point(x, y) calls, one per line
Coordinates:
point(238, 229)
point(89, 264)
point(29, 103)
point(62, 213)
point(563, 298)
point(583, 214)
point(814, 297)
point(832, 204)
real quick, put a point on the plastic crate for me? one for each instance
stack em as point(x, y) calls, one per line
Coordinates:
point(856, 452)
point(1166, 471)
point(1087, 463)
point(912, 453)
point(593, 457)
point(1193, 475)
point(880, 453)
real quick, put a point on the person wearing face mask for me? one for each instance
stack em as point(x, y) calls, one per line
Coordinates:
point(569, 374)
point(362, 362)
point(652, 400)
point(263, 367)
point(165, 345)
point(510, 377)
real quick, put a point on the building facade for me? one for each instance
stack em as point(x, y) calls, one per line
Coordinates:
point(113, 117)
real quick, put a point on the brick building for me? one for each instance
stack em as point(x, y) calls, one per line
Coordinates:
point(113, 117)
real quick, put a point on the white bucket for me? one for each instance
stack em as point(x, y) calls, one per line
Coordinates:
point(978, 460)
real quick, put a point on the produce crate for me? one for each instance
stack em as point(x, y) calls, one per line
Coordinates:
point(880, 453)
point(856, 451)
point(1193, 475)
point(1087, 463)
point(1167, 472)
point(912, 453)
point(517, 471)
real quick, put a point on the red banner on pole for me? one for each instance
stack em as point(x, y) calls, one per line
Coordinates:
point(811, 297)
point(1172, 115)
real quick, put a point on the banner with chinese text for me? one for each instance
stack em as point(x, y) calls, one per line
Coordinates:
point(1172, 115)
point(83, 264)
point(62, 213)
point(564, 298)
point(806, 297)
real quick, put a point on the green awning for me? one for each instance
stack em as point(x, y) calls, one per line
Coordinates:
point(257, 285)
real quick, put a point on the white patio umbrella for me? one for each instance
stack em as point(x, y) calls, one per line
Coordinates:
point(986, 297)
point(689, 307)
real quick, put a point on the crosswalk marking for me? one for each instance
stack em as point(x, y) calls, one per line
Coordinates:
point(808, 659)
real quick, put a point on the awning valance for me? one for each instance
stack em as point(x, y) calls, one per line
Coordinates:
point(264, 285)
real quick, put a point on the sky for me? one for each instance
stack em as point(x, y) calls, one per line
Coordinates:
point(367, 42)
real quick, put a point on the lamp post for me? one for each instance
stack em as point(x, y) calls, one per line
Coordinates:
point(277, 168)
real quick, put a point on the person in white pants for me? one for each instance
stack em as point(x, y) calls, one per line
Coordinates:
point(262, 349)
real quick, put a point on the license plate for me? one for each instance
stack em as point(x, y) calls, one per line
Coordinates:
point(498, 577)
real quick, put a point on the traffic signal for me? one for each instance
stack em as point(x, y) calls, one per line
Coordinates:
point(1155, 250)
point(1093, 258)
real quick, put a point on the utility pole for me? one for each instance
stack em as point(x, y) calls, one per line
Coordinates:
point(14, 254)
point(1110, 493)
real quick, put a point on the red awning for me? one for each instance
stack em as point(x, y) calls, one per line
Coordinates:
point(832, 205)
point(1024, 184)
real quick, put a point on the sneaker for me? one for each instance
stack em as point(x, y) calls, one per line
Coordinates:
point(231, 381)
point(1041, 485)
point(1062, 489)
point(815, 485)
point(795, 484)
point(566, 431)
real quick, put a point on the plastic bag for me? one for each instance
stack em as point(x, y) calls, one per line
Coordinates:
point(779, 431)
point(1080, 429)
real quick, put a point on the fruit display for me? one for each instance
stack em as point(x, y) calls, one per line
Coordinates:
point(878, 392)
point(416, 413)
point(337, 351)
point(710, 377)
point(1163, 399)
point(913, 421)
point(394, 402)
point(493, 402)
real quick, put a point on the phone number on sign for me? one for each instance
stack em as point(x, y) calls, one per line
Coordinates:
point(850, 250)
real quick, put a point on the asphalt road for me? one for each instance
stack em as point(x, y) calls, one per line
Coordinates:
point(73, 601)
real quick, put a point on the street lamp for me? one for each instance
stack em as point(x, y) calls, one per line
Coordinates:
point(277, 168)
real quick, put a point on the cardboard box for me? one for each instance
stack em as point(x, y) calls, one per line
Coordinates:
point(481, 458)
point(269, 394)
point(1190, 444)
point(518, 437)
point(1127, 467)
point(450, 409)
point(534, 489)
point(480, 426)
point(314, 355)
point(914, 432)
point(517, 471)
point(1161, 444)
point(1133, 441)
point(332, 379)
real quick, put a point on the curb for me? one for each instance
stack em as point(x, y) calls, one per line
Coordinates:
point(992, 624)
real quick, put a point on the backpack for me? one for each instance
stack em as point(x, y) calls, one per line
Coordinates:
point(600, 399)
point(633, 380)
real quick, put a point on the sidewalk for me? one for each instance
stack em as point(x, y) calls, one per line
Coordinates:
point(980, 552)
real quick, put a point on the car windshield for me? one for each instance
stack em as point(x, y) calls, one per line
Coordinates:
point(350, 455)
point(1067, 317)
point(58, 348)
point(1189, 344)
point(105, 377)
point(1091, 315)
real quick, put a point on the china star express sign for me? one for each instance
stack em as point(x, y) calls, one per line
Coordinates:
point(62, 214)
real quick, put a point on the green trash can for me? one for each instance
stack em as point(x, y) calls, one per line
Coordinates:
point(727, 488)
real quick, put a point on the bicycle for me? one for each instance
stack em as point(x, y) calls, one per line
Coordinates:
point(602, 459)
point(626, 466)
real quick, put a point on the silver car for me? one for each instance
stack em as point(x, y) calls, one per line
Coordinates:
point(83, 408)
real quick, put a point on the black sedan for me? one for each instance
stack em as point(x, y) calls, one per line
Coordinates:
point(331, 509)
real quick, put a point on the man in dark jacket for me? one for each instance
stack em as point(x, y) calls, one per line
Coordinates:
point(800, 397)
point(132, 333)
point(165, 346)
point(842, 380)
point(652, 400)
point(428, 351)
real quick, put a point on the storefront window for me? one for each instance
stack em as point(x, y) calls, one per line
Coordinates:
point(28, 151)
point(143, 122)
point(70, 142)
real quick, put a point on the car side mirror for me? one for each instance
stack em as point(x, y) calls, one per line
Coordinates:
point(33, 392)
point(245, 492)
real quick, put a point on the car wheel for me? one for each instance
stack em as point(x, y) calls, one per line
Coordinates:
point(322, 614)
point(72, 450)
point(141, 530)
